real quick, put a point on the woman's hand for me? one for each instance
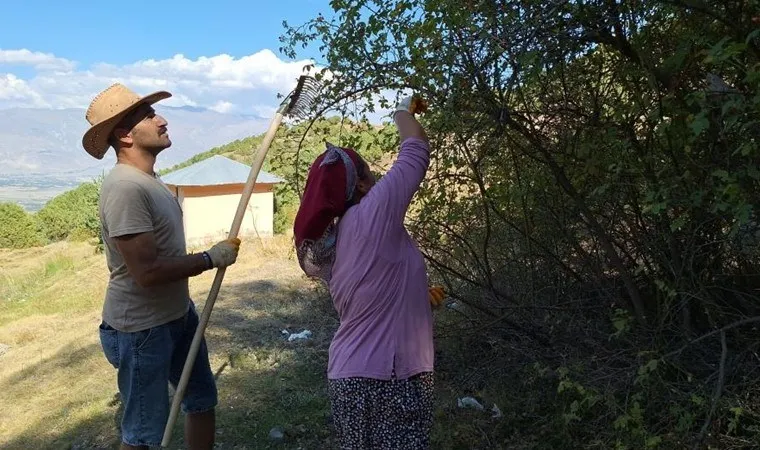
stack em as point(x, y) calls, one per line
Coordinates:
point(414, 104)
point(407, 124)
point(436, 295)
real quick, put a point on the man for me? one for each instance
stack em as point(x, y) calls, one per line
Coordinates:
point(148, 317)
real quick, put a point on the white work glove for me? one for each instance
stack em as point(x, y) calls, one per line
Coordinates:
point(224, 253)
point(413, 104)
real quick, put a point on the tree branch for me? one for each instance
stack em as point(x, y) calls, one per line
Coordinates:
point(718, 389)
point(730, 326)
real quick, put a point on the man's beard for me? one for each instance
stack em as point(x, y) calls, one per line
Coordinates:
point(156, 149)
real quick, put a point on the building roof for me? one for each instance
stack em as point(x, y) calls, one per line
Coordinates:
point(215, 171)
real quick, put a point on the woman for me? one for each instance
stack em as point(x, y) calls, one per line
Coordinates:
point(350, 232)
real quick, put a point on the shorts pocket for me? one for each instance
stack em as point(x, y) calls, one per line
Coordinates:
point(109, 340)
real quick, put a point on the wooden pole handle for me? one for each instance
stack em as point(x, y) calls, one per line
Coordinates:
point(212, 294)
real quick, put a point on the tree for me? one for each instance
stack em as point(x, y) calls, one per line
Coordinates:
point(601, 154)
point(17, 228)
point(73, 214)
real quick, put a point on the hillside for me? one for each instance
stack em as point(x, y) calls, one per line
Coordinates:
point(63, 389)
point(58, 391)
point(295, 147)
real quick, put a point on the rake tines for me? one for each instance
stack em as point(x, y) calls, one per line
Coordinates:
point(303, 97)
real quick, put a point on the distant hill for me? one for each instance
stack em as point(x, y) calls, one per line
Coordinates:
point(48, 142)
point(53, 160)
point(42, 155)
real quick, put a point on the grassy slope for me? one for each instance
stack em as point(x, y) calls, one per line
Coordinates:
point(58, 391)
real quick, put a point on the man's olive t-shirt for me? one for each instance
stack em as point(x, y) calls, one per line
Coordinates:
point(131, 202)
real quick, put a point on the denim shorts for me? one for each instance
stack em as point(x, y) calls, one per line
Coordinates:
point(147, 361)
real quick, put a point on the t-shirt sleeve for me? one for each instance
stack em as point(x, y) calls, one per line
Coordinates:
point(386, 204)
point(126, 210)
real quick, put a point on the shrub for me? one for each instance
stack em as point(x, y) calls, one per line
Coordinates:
point(73, 214)
point(17, 228)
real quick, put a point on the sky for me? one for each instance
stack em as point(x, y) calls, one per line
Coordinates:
point(219, 54)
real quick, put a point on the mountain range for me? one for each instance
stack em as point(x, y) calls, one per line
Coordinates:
point(41, 150)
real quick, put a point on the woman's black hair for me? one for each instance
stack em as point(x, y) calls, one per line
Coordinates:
point(361, 174)
point(361, 171)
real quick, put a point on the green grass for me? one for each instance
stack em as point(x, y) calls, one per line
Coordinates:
point(53, 287)
point(20, 288)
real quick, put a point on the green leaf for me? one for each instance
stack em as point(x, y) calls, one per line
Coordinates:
point(678, 223)
point(653, 441)
point(699, 124)
point(721, 173)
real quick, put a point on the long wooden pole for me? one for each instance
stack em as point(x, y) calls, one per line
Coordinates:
point(234, 230)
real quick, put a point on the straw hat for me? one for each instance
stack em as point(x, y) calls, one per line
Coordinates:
point(107, 109)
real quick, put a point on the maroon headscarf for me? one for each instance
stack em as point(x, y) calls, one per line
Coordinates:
point(327, 195)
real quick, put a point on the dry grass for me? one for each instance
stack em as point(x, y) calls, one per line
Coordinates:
point(58, 392)
point(52, 379)
point(51, 299)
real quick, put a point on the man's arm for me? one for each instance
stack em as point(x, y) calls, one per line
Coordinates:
point(126, 215)
point(148, 269)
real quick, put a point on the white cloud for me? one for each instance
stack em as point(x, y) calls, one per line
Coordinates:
point(223, 107)
point(38, 60)
point(222, 83)
point(248, 84)
point(17, 92)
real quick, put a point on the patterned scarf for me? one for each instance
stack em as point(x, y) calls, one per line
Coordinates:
point(328, 193)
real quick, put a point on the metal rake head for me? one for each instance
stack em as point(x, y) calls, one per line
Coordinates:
point(298, 103)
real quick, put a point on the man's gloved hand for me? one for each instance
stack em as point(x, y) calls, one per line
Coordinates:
point(413, 104)
point(224, 253)
point(436, 295)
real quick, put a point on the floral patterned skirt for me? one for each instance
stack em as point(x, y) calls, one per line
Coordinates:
point(379, 414)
